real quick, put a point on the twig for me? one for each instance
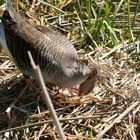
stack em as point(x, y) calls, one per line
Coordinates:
point(32, 5)
point(13, 103)
point(134, 86)
point(99, 136)
point(46, 96)
point(113, 50)
point(41, 131)
point(48, 4)
point(48, 121)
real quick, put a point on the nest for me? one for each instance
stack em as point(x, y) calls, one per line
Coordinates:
point(111, 111)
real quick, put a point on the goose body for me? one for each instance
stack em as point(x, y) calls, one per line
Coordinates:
point(51, 50)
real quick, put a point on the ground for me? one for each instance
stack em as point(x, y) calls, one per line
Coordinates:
point(112, 110)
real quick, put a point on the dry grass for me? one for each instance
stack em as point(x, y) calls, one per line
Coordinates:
point(110, 110)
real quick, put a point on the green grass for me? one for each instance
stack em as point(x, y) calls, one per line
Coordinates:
point(94, 23)
point(101, 22)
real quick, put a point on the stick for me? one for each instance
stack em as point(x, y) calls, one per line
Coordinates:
point(46, 96)
point(118, 119)
point(48, 121)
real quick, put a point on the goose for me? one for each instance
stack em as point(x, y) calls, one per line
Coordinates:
point(51, 50)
